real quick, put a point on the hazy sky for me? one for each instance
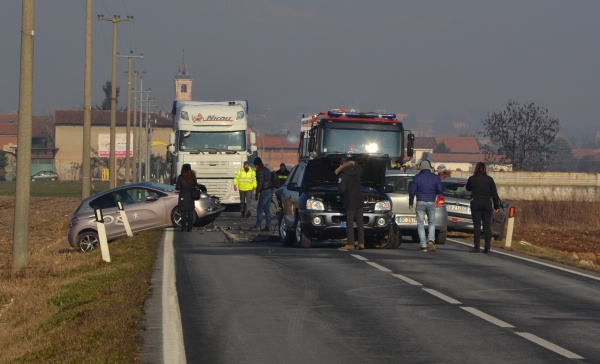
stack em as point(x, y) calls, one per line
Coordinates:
point(446, 61)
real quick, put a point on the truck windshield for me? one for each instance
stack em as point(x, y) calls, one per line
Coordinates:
point(362, 141)
point(211, 141)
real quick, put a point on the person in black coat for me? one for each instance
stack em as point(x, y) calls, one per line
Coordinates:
point(349, 184)
point(186, 181)
point(484, 201)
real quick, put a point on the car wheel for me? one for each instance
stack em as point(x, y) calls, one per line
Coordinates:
point(87, 240)
point(414, 236)
point(391, 239)
point(176, 217)
point(441, 237)
point(301, 240)
point(500, 233)
point(286, 236)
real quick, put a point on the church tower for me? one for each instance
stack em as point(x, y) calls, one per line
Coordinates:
point(183, 83)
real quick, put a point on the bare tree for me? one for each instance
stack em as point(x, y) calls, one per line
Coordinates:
point(520, 135)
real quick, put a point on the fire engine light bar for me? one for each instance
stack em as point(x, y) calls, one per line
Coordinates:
point(369, 115)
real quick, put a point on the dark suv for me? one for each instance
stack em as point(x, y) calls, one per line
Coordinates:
point(312, 206)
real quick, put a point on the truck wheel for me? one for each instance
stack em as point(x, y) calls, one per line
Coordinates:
point(301, 240)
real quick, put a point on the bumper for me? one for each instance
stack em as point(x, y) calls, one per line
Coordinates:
point(409, 222)
point(332, 225)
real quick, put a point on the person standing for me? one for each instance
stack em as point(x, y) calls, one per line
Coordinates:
point(282, 174)
point(349, 185)
point(186, 181)
point(245, 181)
point(484, 201)
point(425, 186)
point(264, 194)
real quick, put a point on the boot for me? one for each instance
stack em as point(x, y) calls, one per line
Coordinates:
point(347, 247)
point(361, 246)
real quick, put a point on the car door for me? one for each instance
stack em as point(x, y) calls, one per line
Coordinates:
point(291, 193)
point(144, 207)
point(113, 223)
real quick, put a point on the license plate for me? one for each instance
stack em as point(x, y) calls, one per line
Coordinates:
point(343, 224)
point(459, 208)
point(403, 220)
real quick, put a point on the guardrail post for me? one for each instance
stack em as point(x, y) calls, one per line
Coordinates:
point(124, 218)
point(102, 235)
point(509, 229)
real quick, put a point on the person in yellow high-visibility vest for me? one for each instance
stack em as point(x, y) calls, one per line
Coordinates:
point(245, 182)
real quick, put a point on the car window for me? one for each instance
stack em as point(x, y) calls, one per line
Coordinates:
point(296, 174)
point(400, 184)
point(456, 189)
point(104, 202)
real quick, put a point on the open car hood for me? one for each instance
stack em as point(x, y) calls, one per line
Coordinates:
point(322, 170)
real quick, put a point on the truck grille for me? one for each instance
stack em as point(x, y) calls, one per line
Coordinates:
point(218, 188)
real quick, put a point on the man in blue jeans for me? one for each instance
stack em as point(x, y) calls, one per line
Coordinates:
point(425, 186)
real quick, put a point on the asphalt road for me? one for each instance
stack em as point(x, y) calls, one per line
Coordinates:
point(242, 297)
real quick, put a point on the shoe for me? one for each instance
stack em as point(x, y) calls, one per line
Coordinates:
point(347, 247)
point(431, 246)
point(360, 246)
point(486, 250)
point(474, 250)
point(423, 250)
point(248, 214)
point(266, 228)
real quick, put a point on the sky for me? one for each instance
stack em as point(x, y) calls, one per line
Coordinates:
point(447, 63)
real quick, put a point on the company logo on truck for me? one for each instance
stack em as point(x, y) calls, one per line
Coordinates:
point(199, 118)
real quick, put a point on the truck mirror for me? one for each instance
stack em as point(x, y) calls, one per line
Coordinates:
point(252, 138)
point(171, 148)
point(410, 145)
point(172, 138)
point(253, 148)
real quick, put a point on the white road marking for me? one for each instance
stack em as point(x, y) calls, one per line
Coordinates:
point(359, 257)
point(442, 296)
point(380, 267)
point(407, 280)
point(488, 318)
point(550, 346)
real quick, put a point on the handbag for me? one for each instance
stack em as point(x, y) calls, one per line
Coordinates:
point(195, 192)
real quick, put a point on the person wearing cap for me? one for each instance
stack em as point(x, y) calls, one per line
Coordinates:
point(425, 187)
point(245, 182)
point(282, 174)
point(186, 181)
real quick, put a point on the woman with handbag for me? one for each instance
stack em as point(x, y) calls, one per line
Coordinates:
point(187, 185)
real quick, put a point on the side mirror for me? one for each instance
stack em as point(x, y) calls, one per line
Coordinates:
point(172, 138)
point(388, 189)
point(252, 137)
point(410, 145)
point(171, 149)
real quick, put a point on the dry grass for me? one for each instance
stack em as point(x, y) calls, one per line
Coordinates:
point(71, 307)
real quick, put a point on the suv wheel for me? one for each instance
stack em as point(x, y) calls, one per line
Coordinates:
point(302, 241)
point(441, 237)
point(286, 236)
point(390, 240)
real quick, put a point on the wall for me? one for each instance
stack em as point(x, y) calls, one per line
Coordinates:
point(544, 185)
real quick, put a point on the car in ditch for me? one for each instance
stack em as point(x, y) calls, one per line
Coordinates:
point(458, 204)
point(312, 207)
point(147, 205)
point(400, 181)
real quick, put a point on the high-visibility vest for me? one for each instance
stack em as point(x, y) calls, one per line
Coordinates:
point(246, 181)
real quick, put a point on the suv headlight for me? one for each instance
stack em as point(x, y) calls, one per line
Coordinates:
point(383, 206)
point(314, 205)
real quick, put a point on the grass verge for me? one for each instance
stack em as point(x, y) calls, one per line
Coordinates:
point(79, 309)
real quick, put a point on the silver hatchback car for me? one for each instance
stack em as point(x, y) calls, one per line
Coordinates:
point(147, 205)
point(406, 219)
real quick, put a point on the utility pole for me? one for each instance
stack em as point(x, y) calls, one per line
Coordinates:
point(23, 186)
point(135, 139)
point(148, 131)
point(87, 105)
point(128, 128)
point(116, 19)
point(139, 151)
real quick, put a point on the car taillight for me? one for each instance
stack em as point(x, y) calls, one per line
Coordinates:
point(73, 222)
point(439, 201)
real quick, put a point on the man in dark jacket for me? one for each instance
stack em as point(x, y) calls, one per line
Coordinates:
point(264, 194)
point(282, 174)
point(349, 184)
point(425, 186)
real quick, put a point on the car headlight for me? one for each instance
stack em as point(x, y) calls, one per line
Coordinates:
point(314, 205)
point(383, 206)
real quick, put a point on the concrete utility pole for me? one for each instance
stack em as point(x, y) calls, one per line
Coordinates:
point(148, 131)
point(116, 19)
point(135, 138)
point(128, 129)
point(21, 217)
point(87, 105)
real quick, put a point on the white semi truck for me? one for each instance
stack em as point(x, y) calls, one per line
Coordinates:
point(213, 137)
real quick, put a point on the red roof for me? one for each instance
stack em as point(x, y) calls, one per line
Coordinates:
point(459, 144)
point(588, 154)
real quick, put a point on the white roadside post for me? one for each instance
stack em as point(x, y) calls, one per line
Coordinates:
point(124, 218)
point(509, 229)
point(102, 235)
